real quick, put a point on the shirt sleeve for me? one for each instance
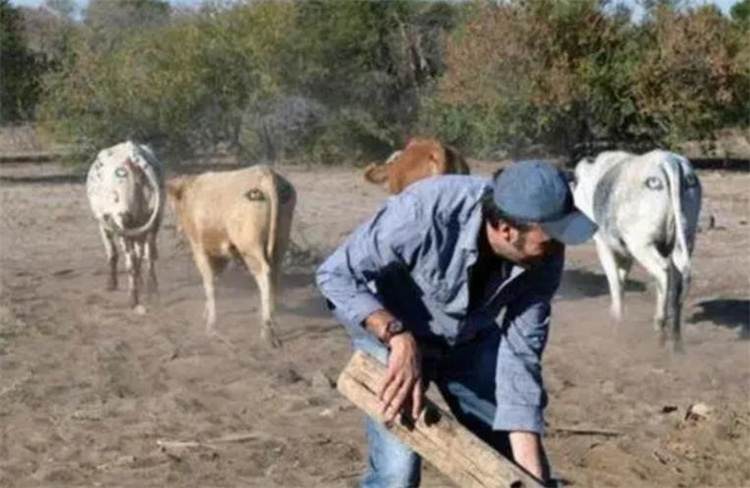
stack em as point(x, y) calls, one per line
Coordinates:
point(392, 237)
point(519, 392)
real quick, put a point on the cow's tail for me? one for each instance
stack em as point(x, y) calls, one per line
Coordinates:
point(269, 185)
point(681, 252)
point(376, 173)
point(155, 181)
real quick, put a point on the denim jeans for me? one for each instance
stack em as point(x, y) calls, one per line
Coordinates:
point(465, 376)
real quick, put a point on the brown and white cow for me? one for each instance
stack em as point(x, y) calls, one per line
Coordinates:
point(245, 214)
point(421, 158)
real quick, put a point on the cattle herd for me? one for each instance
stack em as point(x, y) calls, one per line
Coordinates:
point(646, 208)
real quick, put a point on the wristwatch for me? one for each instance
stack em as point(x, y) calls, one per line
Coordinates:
point(393, 328)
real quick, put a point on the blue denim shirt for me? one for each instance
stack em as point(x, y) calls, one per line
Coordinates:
point(414, 257)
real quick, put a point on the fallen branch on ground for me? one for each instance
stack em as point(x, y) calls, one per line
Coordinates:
point(585, 431)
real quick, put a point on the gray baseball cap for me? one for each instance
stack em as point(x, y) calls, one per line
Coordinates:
point(537, 192)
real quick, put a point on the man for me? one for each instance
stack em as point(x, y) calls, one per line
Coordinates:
point(451, 282)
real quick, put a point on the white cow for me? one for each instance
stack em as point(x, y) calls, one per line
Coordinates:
point(647, 209)
point(125, 186)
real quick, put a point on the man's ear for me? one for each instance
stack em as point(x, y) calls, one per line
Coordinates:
point(507, 231)
point(501, 231)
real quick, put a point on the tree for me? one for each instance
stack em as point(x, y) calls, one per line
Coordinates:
point(63, 8)
point(111, 21)
point(740, 13)
point(19, 69)
point(546, 72)
point(49, 34)
point(691, 79)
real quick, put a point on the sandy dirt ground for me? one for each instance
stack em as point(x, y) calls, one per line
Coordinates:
point(92, 394)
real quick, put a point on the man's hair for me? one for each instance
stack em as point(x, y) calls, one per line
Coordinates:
point(494, 215)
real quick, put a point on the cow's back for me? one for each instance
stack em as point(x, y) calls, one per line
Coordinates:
point(632, 201)
point(225, 205)
point(605, 206)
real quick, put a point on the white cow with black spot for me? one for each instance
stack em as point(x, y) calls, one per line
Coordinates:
point(647, 209)
point(125, 186)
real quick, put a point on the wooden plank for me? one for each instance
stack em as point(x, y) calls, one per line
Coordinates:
point(436, 435)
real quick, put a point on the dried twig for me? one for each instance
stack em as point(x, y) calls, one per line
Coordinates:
point(586, 431)
point(179, 444)
point(211, 443)
point(660, 457)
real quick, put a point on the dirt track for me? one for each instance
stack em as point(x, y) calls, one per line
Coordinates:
point(90, 392)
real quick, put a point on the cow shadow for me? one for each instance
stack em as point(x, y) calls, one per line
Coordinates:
point(313, 306)
point(724, 164)
point(731, 313)
point(237, 276)
point(578, 283)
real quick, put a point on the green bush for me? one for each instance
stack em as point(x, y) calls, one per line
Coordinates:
point(347, 80)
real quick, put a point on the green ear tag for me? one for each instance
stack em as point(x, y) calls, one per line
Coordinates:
point(121, 172)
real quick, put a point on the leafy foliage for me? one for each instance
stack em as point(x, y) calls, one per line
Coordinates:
point(342, 80)
point(19, 88)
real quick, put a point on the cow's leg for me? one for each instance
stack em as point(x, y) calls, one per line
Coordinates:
point(676, 294)
point(140, 254)
point(624, 265)
point(613, 273)
point(260, 268)
point(658, 266)
point(208, 272)
point(151, 254)
point(277, 263)
point(109, 247)
point(132, 265)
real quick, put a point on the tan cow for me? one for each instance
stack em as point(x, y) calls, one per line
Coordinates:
point(421, 158)
point(245, 214)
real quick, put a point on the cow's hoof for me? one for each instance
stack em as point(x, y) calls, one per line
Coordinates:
point(662, 338)
point(139, 309)
point(677, 347)
point(269, 336)
point(659, 325)
point(616, 316)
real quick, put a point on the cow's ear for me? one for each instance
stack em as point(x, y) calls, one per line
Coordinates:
point(176, 187)
point(438, 154)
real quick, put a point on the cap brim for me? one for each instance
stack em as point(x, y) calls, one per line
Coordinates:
point(574, 228)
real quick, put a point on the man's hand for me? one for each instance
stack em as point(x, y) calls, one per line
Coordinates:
point(403, 378)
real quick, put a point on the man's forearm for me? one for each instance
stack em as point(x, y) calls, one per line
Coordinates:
point(528, 452)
